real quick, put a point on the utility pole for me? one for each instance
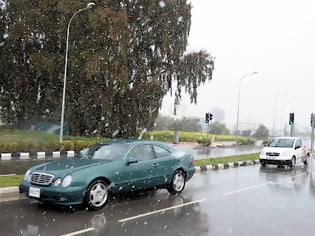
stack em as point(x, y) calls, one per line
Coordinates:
point(88, 6)
point(238, 98)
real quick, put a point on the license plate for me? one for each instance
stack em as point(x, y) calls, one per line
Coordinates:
point(34, 192)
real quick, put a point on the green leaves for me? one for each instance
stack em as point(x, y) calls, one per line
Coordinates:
point(124, 56)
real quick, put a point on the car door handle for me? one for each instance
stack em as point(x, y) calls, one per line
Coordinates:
point(156, 164)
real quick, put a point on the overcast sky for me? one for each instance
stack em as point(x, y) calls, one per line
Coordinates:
point(276, 38)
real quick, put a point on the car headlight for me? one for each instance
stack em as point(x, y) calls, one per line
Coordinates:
point(263, 153)
point(66, 181)
point(27, 176)
point(286, 153)
point(57, 182)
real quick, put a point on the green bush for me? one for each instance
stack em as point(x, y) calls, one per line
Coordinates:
point(246, 141)
point(26, 146)
point(204, 142)
point(167, 136)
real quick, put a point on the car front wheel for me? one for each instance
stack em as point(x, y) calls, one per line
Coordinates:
point(97, 195)
point(178, 182)
point(293, 162)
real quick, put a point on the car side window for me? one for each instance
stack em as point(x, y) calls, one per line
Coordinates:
point(161, 152)
point(142, 152)
point(298, 144)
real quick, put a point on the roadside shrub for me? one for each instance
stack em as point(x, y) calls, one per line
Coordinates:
point(167, 136)
point(246, 141)
point(26, 146)
point(204, 142)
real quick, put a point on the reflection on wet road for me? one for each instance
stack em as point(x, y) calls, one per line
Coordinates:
point(244, 201)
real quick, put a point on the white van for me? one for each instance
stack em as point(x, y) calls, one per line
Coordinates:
point(284, 151)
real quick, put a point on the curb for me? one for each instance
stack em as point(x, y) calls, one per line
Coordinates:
point(201, 169)
point(35, 155)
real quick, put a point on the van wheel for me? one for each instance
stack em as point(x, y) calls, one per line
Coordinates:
point(293, 162)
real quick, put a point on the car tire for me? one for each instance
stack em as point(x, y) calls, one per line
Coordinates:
point(263, 164)
point(293, 162)
point(178, 183)
point(307, 156)
point(97, 195)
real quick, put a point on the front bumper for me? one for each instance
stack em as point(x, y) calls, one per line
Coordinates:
point(274, 161)
point(55, 195)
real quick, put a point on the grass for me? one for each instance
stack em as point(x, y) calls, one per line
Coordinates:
point(224, 160)
point(10, 181)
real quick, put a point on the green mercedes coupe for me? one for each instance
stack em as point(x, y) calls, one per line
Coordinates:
point(109, 167)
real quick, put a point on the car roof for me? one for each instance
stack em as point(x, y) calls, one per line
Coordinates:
point(131, 141)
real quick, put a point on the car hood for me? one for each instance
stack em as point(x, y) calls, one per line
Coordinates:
point(69, 165)
point(277, 149)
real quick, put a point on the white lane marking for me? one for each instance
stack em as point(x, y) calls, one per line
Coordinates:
point(79, 232)
point(245, 189)
point(260, 185)
point(161, 210)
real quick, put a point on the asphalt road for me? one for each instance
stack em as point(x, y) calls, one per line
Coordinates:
point(242, 201)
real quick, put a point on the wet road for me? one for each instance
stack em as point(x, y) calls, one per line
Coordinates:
point(244, 201)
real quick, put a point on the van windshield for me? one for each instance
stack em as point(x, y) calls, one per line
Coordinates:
point(283, 143)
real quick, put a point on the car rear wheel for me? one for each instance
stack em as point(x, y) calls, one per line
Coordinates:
point(178, 183)
point(97, 195)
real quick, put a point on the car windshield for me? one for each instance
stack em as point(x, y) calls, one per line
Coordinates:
point(282, 143)
point(108, 152)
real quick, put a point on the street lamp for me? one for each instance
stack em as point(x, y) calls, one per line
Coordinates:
point(88, 6)
point(274, 110)
point(239, 96)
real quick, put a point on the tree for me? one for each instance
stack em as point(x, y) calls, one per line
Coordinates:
point(246, 133)
point(217, 127)
point(124, 57)
point(262, 132)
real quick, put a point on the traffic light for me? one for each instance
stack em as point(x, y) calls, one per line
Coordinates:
point(312, 119)
point(291, 119)
point(209, 117)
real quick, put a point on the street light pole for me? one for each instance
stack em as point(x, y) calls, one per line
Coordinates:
point(239, 96)
point(88, 6)
point(274, 110)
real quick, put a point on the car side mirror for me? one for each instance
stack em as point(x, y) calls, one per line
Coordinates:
point(297, 147)
point(131, 160)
